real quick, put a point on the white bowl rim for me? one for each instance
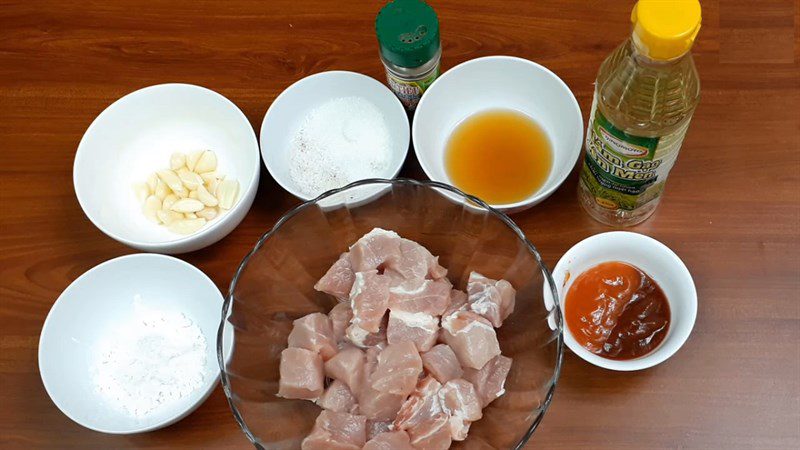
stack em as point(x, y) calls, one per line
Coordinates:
point(660, 353)
point(540, 195)
point(279, 178)
point(165, 245)
point(192, 402)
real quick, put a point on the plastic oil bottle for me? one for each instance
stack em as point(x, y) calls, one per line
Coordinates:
point(645, 94)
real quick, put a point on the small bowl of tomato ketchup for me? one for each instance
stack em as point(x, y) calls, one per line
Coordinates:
point(628, 301)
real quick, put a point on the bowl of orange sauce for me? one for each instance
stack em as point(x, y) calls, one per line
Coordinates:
point(628, 300)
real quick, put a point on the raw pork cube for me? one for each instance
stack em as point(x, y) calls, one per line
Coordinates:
point(489, 381)
point(460, 401)
point(471, 337)
point(340, 316)
point(432, 435)
point(420, 328)
point(314, 332)
point(337, 431)
point(417, 262)
point(374, 250)
point(398, 369)
point(364, 339)
point(376, 427)
point(369, 299)
point(376, 405)
point(337, 397)
point(301, 374)
point(426, 296)
point(422, 405)
point(458, 302)
point(338, 280)
point(347, 366)
point(395, 440)
point(442, 363)
point(492, 299)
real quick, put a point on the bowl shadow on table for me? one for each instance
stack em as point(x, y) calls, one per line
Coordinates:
point(275, 286)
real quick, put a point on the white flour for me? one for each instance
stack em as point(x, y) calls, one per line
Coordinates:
point(149, 361)
point(343, 140)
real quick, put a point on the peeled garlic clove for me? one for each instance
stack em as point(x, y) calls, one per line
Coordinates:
point(207, 213)
point(207, 162)
point(190, 216)
point(177, 160)
point(208, 177)
point(142, 191)
point(192, 158)
point(161, 191)
point(171, 179)
point(168, 201)
point(227, 192)
point(151, 206)
point(187, 226)
point(212, 187)
point(167, 217)
point(187, 205)
point(204, 196)
point(189, 179)
point(152, 181)
point(193, 194)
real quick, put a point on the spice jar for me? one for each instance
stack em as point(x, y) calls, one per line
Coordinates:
point(408, 37)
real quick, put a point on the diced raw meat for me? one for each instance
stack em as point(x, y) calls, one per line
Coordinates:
point(347, 366)
point(338, 280)
point(365, 339)
point(492, 299)
point(460, 401)
point(423, 405)
point(337, 431)
point(398, 369)
point(458, 302)
point(300, 374)
point(432, 435)
point(442, 363)
point(490, 381)
point(420, 328)
point(376, 405)
point(340, 316)
point(428, 296)
point(376, 427)
point(416, 262)
point(369, 300)
point(314, 332)
point(337, 397)
point(471, 337)
point(395, 440)
point(375, 250)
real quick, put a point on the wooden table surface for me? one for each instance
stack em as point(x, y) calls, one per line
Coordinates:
point(731, 209)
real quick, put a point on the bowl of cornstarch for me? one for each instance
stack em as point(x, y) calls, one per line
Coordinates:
point(130, 345)
point(331, 129)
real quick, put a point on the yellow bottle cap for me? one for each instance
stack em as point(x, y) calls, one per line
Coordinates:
point(665, 29)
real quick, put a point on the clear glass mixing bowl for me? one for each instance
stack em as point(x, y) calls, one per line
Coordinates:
point(274, 285)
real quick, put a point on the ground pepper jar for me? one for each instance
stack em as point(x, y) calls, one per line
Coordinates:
point(410, 48)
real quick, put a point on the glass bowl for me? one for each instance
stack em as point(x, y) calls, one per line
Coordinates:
point(274, 285)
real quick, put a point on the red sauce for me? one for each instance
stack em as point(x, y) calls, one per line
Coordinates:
point(617, 311)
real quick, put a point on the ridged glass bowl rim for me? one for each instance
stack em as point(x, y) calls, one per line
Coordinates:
point(396, 181)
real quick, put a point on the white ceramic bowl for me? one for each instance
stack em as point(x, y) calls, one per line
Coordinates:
point(655, 259)
point(287, 112)
point(91, 309)
point(499, 82)
point(136, 135)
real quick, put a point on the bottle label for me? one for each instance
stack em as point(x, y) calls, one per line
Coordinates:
point(410, 92)
point(620, 169)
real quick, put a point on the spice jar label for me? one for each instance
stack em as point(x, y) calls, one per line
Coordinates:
point(410, 92)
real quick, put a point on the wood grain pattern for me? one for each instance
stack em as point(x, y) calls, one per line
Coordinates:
point(731, 210)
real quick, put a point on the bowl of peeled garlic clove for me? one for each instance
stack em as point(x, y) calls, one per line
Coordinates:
point(170, 168)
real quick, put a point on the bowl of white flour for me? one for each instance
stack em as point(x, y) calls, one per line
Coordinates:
point(130, 345)
point(331, 129)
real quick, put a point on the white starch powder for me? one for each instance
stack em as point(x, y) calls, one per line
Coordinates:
point(341, 141)
point(150, 361)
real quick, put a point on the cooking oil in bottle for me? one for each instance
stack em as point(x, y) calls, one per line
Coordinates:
point(645, 95)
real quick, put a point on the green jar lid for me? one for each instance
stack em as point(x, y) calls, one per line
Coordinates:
point(408, 32)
